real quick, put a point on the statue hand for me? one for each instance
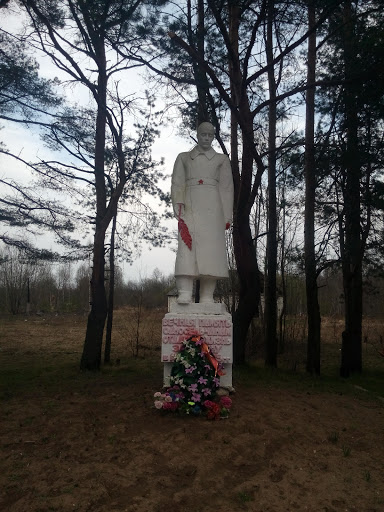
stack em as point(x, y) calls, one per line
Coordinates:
point(179, 210)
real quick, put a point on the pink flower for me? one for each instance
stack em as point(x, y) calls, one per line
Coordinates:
point(157, 394)
point(168, 398)
point(226, 402)
point(159, 404)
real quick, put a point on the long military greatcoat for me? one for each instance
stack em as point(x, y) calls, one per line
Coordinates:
point(202, 182)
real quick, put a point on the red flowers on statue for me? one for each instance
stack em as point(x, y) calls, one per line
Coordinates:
point(184, 231)
point(185, 234)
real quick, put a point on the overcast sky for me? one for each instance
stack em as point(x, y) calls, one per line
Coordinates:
point(27, 144)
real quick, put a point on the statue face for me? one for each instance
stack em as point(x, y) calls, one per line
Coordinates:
point(205, 136)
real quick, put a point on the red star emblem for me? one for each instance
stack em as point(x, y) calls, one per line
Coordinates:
point(201, 182)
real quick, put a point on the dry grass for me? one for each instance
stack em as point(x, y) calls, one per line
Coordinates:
point(293, 352)
point(137, 332)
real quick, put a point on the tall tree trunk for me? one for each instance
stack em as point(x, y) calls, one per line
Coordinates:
point(351, 353)
point(91, 357)
point(201, 77)
point(198, 42)
point(313, 310)
point(243, 243)
point(249, 284)
point(244, 248)
point(270, 285)
point(282, 315)
point(111, 294)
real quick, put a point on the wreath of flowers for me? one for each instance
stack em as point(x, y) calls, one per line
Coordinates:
point(195, 378)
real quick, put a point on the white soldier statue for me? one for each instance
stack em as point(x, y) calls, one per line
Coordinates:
point(202, 198)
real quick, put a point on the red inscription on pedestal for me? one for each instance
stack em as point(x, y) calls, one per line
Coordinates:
point(217, 332)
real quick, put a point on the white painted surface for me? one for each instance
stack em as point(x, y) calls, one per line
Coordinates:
point(215, 327)
point(202, 195)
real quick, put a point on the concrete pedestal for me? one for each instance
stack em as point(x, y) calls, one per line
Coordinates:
point(210, 321)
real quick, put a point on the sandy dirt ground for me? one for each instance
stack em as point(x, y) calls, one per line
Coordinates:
point(96, 444)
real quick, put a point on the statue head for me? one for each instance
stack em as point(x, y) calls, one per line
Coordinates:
point(205, 135)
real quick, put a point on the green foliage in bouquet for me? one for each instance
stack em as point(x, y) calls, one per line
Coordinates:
point(194, 372)
point(195, 377)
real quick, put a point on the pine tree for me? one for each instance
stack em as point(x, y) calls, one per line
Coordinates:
point(80, 37)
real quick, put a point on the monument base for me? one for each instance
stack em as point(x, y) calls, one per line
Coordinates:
point(208, 320)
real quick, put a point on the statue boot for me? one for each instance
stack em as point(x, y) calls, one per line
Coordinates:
point(207, 288)
point(184, 286)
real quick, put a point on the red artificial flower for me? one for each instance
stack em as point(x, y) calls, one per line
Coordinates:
point(185, 234)
point(170, 406)
point(214, 412)
point(226, 402)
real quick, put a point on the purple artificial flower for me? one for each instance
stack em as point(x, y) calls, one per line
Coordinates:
point(201, 380)
point(216, 381)
point(196, 397)
point(199, 342)
point(193, 388)
point(206, 391)
point(189, 370)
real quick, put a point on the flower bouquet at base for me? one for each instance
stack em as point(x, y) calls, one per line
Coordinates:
point(195, 378)
point(218, 410)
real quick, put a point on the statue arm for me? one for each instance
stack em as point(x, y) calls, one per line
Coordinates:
point(178, 186)
point(226, 190)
